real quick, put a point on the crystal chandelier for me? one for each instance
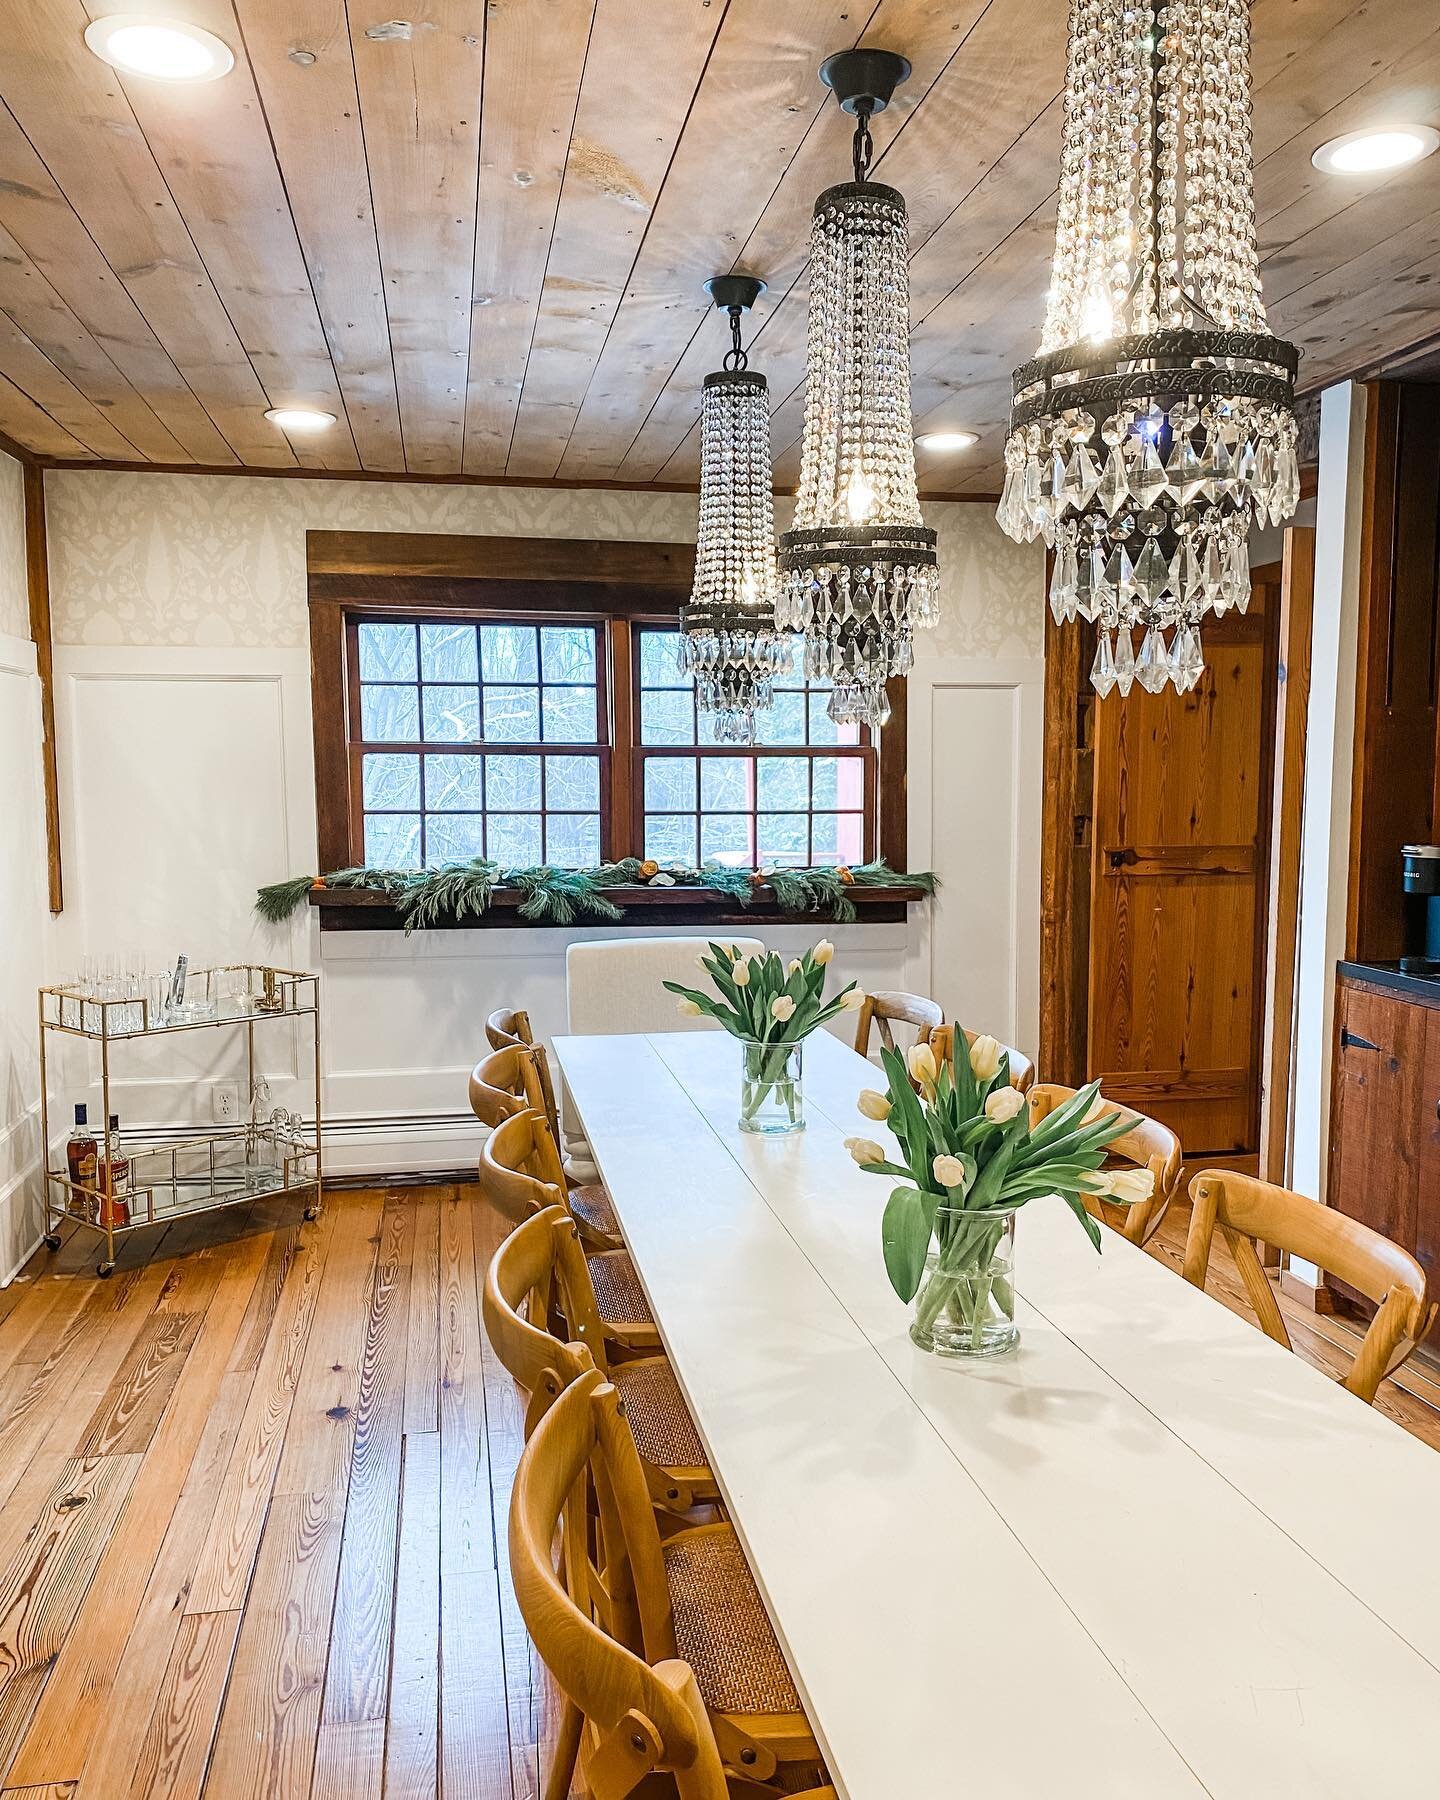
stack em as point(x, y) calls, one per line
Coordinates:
point(859, 570)
point(1156, 424)
point(728, 638)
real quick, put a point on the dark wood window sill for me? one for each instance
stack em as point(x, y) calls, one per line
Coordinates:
point(353, 909)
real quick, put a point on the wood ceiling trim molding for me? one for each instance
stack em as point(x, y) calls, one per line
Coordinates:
point(96, 465)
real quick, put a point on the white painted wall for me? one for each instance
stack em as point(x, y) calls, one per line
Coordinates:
point(24, 915)
point(183, 703)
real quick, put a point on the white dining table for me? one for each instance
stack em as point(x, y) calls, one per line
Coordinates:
point(1148, 1554)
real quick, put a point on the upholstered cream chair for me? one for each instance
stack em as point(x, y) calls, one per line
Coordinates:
point(613, 984)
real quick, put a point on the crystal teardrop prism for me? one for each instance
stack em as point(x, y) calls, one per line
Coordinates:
point(1102, 670)
point(1114, 488)
point(1152, 665)
point(1124, 661)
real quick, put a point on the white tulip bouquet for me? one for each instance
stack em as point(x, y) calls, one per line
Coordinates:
point(970, 1157)
point(771, 1006)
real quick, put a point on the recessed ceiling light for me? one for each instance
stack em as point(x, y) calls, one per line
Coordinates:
point(162, 49)
point(947, 440)
point(1369, 152)
point(300, 418)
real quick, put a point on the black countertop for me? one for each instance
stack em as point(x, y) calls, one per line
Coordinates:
point(1412, 976)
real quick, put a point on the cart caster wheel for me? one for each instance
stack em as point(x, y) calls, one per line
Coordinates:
point(312, 1212)
point(105, 1271)
point(53, 1240)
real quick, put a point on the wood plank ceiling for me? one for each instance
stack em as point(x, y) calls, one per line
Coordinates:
point(479, 237)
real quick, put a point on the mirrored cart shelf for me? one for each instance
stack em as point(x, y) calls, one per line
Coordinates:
point(203, 1173)
point(236, 994)
point(231, 1165)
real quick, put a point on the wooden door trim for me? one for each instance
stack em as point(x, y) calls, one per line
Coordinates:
point(1292, 700)
point(1068, 770)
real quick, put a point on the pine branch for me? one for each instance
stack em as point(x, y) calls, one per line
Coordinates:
point(557, 896)
point(281, 899)
point(446, 895)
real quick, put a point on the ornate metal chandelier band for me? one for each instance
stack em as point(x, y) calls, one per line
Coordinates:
point(1212, 365)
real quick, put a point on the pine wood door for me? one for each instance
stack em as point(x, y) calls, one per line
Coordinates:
point(1178, 887)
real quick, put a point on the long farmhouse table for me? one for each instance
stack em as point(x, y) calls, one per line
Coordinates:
point(1150, 1555)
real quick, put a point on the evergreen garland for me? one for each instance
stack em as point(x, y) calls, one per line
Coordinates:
point(449, 895)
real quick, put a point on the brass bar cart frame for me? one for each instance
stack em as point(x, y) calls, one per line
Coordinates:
point(202, 1173)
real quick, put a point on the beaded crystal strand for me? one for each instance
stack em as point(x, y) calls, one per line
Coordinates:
point(858, 567)
point(1157, 424)
point(729, 642)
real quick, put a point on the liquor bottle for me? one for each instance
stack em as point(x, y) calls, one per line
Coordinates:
point(81, 1158)
point(114, 1179)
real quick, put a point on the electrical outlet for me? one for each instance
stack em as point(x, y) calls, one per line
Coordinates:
point(225, 1102)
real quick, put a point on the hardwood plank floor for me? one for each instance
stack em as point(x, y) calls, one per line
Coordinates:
point(252, 1510)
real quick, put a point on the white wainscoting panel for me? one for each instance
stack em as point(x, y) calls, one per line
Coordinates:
point(187, 782)
point(24, 918)
point(976, 743)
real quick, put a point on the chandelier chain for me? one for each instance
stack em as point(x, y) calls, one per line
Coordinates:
point(735, 358)
point(863, 145)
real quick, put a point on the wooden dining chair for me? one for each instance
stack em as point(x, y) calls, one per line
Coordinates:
point(506, 1026)
point(1146, 1145)
point(1022, 1070)
point(514, 1079)
point(662, 1650)
point(539, 1277)
point(520, 1171)
point(884, 1011)
point(1247, 1210)
point(500, 1085)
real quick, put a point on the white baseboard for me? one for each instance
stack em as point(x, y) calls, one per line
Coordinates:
point(402, 1143)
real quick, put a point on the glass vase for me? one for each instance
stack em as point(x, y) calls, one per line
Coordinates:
point(966, 1303)
point(772, 1094)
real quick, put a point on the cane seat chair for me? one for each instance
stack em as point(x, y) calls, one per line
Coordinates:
point(537, 1278)
point(1247, 1210)
point(1146, 1145)
point(520, 1170)
point(1022, 1070)
point(516, 1079)
point(662, 1649)
point(885, 1011)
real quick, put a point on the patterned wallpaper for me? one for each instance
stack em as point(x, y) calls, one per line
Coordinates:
point(14, 596)
point(220, 560)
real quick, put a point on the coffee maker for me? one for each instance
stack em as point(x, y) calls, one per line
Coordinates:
point(1421, 865)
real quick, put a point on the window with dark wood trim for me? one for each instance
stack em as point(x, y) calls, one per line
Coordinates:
point(520, 699)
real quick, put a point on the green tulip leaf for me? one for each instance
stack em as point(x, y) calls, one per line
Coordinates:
point(905, 1235)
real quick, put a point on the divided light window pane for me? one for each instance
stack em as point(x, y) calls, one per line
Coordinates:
point(467, 687)
point(738, 808)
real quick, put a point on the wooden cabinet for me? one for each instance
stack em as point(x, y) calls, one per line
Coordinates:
point(1384, 1124)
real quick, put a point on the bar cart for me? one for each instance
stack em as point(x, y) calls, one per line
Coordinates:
point(252, 1159)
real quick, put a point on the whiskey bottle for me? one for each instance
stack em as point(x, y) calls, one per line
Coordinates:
point(81, 1160)
point(114, 1179)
